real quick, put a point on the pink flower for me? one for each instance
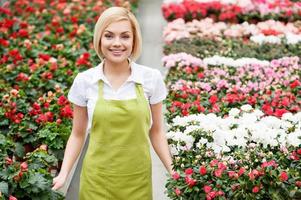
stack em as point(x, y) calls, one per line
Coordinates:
point(178, 191)
point(190, 181)
point(218, 172)
point(12, 198)
point(207, 188)
point(241, 171)
point(176, 176)
point(255, 189)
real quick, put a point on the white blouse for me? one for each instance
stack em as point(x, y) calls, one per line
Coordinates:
point(84, 90)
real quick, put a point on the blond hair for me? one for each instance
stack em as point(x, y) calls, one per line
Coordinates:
point(114, 14)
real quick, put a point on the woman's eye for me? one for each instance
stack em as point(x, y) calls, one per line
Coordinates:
point(108, 36)
point(125, 36)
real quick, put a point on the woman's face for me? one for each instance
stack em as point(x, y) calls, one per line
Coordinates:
point(117, 41)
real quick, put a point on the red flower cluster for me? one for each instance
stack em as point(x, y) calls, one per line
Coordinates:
point(84, 60)
point(190, 10)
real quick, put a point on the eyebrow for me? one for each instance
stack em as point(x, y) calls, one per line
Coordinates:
point(121, 33)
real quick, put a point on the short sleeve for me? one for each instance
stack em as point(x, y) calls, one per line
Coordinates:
point(159, 91)
point(77, 93)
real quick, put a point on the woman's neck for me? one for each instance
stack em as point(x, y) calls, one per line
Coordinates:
point(112, 69)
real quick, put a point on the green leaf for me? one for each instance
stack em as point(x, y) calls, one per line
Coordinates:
point(19, 150)
point(38, 182)
point(4, 188)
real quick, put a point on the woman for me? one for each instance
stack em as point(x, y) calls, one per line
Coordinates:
point(121, 104)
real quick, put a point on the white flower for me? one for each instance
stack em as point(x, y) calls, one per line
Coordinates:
point(246, 108)
point(234, 112)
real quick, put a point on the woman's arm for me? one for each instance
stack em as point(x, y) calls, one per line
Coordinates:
point(74, 144)
point(157, 137)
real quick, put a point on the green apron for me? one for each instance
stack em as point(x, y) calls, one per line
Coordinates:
point(117, 165)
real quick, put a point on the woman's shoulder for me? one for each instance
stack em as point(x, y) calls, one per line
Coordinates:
point(146, 72)
point(88, 75)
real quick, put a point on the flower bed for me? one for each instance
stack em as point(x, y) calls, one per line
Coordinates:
point(234, 48)
point(233, 11)
point(219, 84)
point(244, 156)
point(234, 102)
point(43, 46)
point(270, 31)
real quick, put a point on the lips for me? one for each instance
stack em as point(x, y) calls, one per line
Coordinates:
point(117, 52)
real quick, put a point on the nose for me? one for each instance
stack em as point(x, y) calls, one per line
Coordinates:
point(116, 41)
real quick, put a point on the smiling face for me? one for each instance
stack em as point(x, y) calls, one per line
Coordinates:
point(117, 41)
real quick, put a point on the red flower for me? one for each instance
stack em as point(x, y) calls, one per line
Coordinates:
point(49, 116)
point(41, 118)
point(23, 33)
point(271, 163)
point(207, 188)
point(190, 181)
point(241, 171)
point(213, 163)
point(295, 84)
point(267, 109)
point(298, 183)
point(66, 111)
point(178, 191)
point(218, 172)
point(22, 77)
point(175, 176)
point(4, 42)
point(213, 99)
point(280, 112)
point(270, 32)
point(47, 75)
point(299, 151)
point(188, 70)
point(232, 174)
point(221, 166)
point(12, 198)
point(62, 100)
point(36, 106)
point(58, 121)
point(200, 75)
point(8, 161)
point(189, 171)
point(44, 57)
point(253, 174)
point(255, 189)
point(203, 170)
point(74, 19)
point(24, 167)
point(283, 176)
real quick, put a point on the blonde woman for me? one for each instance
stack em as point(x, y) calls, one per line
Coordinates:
point(118, 102)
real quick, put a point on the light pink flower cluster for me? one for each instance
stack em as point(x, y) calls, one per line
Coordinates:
point(248, 77)
point(181, 59)
point(207, 28)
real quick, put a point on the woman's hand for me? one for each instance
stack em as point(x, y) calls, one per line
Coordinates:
point(58, 182)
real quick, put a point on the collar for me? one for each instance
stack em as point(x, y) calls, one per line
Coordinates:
point(135, 76)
